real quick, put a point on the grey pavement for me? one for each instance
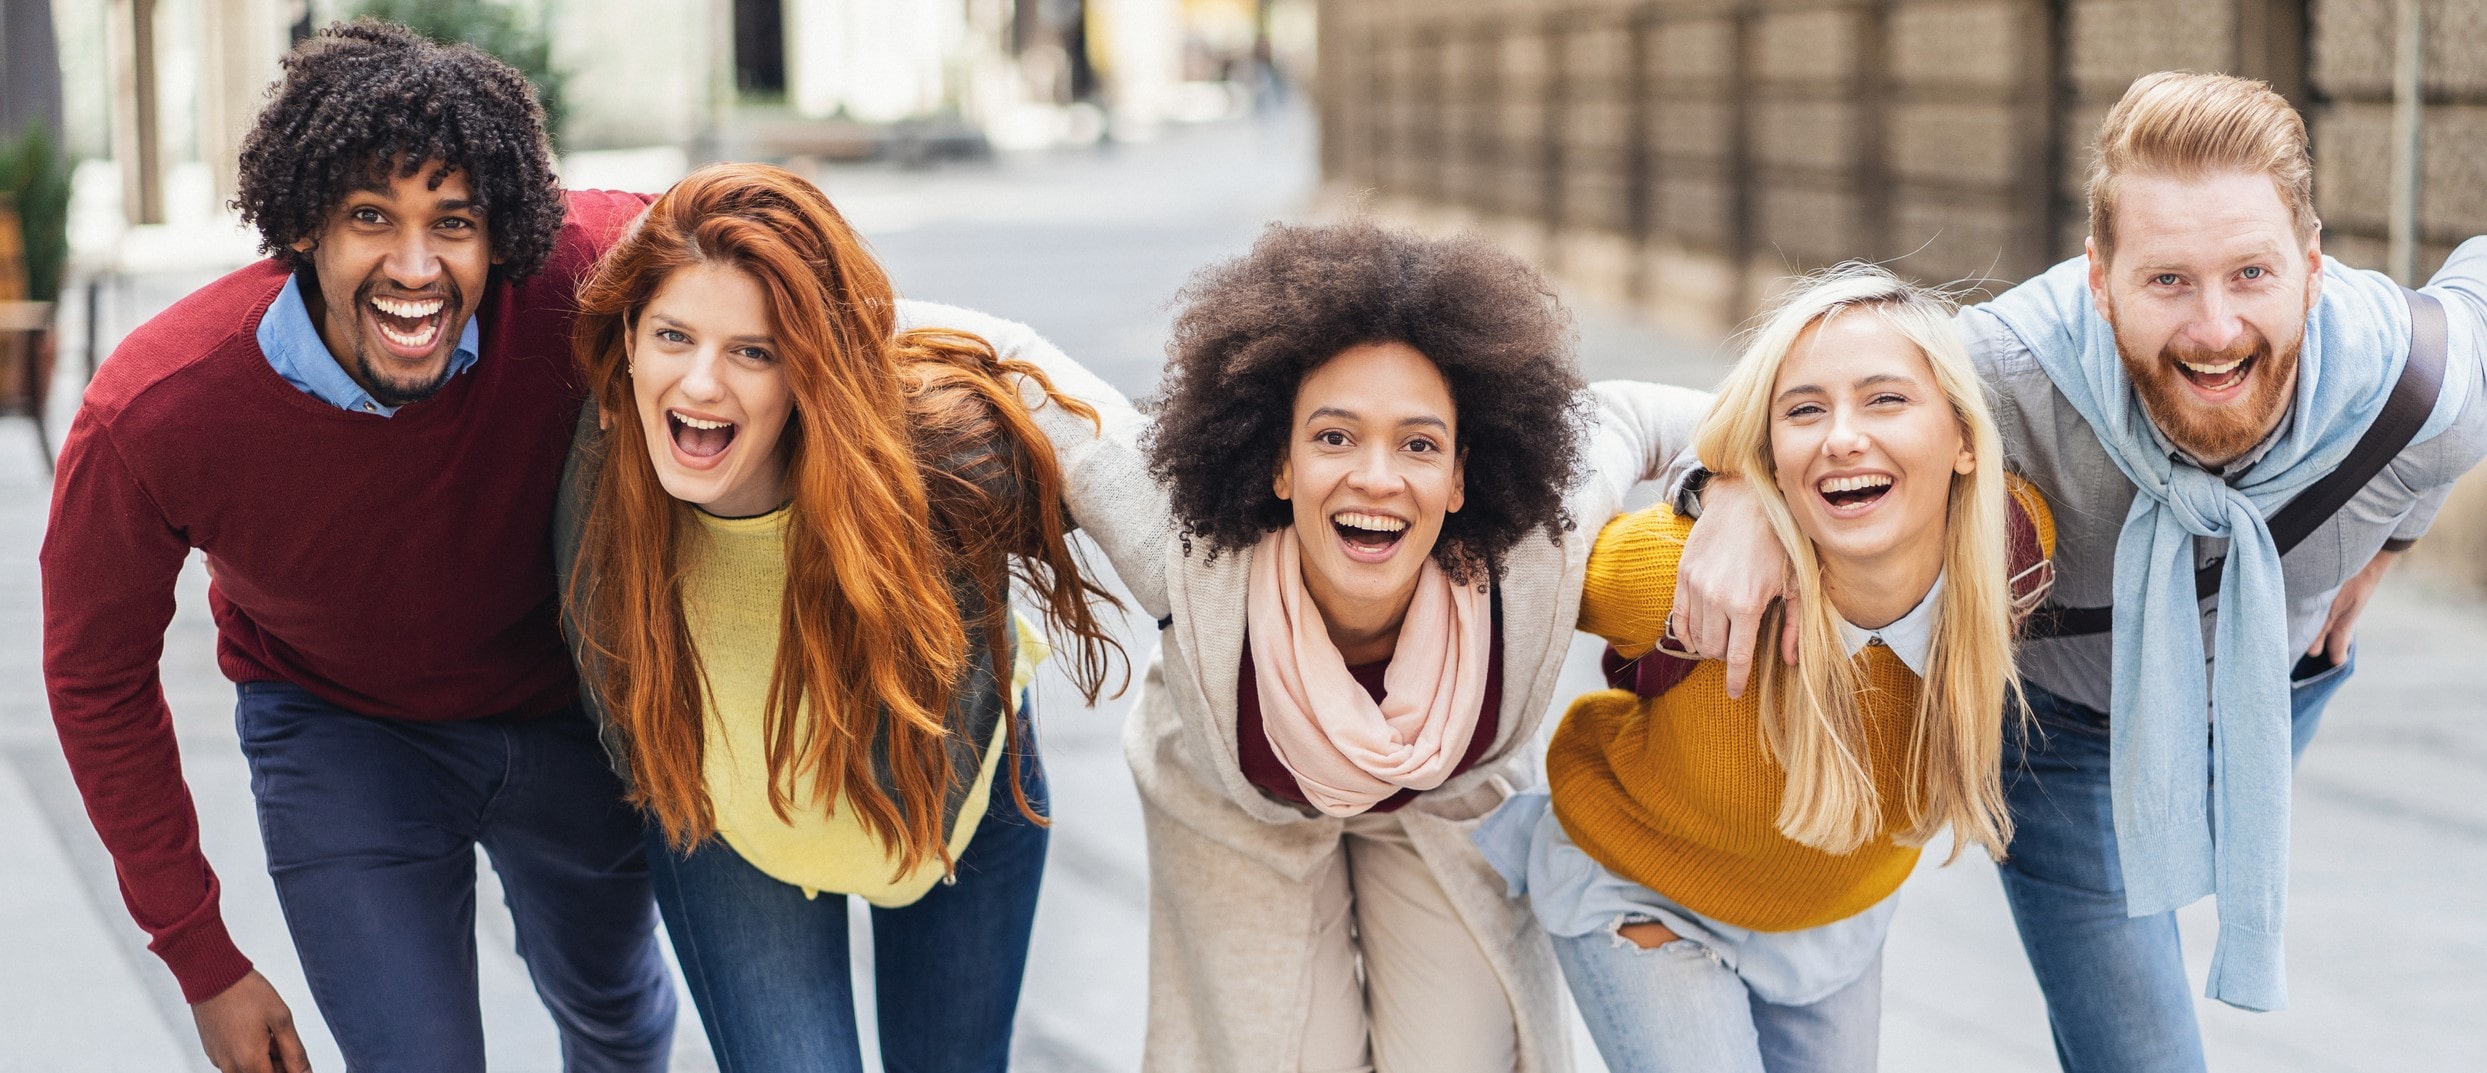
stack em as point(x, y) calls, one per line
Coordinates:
point(2388, 963)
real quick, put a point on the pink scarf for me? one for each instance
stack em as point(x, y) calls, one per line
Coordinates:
point(1347, 752)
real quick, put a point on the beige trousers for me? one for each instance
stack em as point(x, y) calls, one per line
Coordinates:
point(1396, 982)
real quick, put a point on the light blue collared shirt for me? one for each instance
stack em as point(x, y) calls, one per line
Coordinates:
point(294, 349)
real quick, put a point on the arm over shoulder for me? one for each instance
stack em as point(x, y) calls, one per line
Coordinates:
point(1641, 428)
point(2428, 466)
point(1108, 490)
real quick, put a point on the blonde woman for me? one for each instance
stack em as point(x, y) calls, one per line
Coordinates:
point(1717, 873)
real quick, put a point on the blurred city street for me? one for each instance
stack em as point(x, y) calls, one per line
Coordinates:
point(1090, 245)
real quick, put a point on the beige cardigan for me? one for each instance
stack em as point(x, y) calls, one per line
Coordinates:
point(1230, 869)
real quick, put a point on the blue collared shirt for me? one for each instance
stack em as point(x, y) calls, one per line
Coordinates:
point(294, 349)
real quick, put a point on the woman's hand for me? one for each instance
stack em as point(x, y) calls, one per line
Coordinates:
point(1732, 569)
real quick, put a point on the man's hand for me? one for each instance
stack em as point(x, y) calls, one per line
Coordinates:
point(2347, 605)
point(246, 1028)
point(1732, 569)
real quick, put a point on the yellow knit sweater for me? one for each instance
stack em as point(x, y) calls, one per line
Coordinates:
point(733, 594)
point(1678, 793)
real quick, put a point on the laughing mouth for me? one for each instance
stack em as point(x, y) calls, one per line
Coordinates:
point(1369, 532)
point(2217, 377)
point(699, 437)
point(410, 324)
point(1853, 491)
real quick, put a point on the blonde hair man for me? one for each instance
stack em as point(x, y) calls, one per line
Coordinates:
point(2176, 393)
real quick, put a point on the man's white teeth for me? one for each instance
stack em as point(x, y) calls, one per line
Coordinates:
point(1858, 483)
point(415, 341)
point(2213, 370)
point(409, 310)
point(1379, 523)
point(697, 423)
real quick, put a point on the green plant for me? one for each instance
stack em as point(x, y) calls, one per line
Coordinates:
point(35, 181)
point(497, 28)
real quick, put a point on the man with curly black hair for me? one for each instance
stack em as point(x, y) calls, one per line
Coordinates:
point(363, 434)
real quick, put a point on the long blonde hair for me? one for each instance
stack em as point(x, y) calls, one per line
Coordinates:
point(1810, 720)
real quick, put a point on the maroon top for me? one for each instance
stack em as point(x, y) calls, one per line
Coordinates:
point(399, 567)
point(1262, 767)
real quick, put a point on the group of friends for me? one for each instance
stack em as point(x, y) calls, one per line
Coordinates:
point(656, 546)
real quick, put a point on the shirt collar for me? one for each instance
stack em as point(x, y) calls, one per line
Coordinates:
point(294, 349)
point(1910, 637)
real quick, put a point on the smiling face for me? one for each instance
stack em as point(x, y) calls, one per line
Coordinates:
point(712, 396)
point(2208, 288)
point(1865, 445)
point(398, 268)
point(1371, 470)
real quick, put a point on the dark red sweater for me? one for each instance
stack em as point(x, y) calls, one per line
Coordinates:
point(396, 566)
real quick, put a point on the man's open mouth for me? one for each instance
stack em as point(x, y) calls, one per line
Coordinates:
point(1859, 490)
point(411, 326)
point(699, 437)
point(1368, 535)
point(2219, 376)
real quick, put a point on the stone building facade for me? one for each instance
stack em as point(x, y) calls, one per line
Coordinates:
point(1683, 153)
point(1680, 156)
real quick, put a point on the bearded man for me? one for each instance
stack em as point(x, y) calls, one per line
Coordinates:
point(2182, 395)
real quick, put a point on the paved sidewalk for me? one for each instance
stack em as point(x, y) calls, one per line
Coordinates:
point(2388, 962)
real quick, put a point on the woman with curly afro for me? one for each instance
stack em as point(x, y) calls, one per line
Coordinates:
point(1357, 519)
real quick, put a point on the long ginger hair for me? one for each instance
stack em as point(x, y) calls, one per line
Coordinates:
point(1810, 718)
point(893, 445)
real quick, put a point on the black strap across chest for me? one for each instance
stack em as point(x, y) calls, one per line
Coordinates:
point(2404, 412)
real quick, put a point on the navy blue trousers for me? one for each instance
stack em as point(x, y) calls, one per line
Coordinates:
point(371, 827)
point(769, 967)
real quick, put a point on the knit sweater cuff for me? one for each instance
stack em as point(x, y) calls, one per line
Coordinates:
point(2248, 970)
point(202, 957)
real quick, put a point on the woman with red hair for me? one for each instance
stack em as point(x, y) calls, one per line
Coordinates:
point(792, 520)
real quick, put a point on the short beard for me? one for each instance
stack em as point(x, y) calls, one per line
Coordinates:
point(396, 393)
point(2214, 435)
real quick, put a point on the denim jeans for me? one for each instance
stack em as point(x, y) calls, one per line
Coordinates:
point(371, 827)
point(768, 968)
point(1676, 1008)
point(2115, 985)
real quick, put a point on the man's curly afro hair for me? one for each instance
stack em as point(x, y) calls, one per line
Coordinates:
point(373, 101)
point(1252, 328)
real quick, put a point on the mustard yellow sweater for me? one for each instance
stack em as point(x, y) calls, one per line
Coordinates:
point(1678, 793)
point(732, 594)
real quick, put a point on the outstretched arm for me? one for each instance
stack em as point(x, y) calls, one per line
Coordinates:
point(1109, 492)
point(1641, 428)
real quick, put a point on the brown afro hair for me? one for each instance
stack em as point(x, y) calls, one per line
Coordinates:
point(1252, 328)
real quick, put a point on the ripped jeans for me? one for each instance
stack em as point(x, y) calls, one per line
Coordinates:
point(1678, 1007)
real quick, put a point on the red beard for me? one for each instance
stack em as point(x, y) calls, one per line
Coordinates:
point(2215, 434)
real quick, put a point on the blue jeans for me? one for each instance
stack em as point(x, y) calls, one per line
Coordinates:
point(2115, 985)
point(768, 968)
point(1676, 1008)
point(371, 827)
